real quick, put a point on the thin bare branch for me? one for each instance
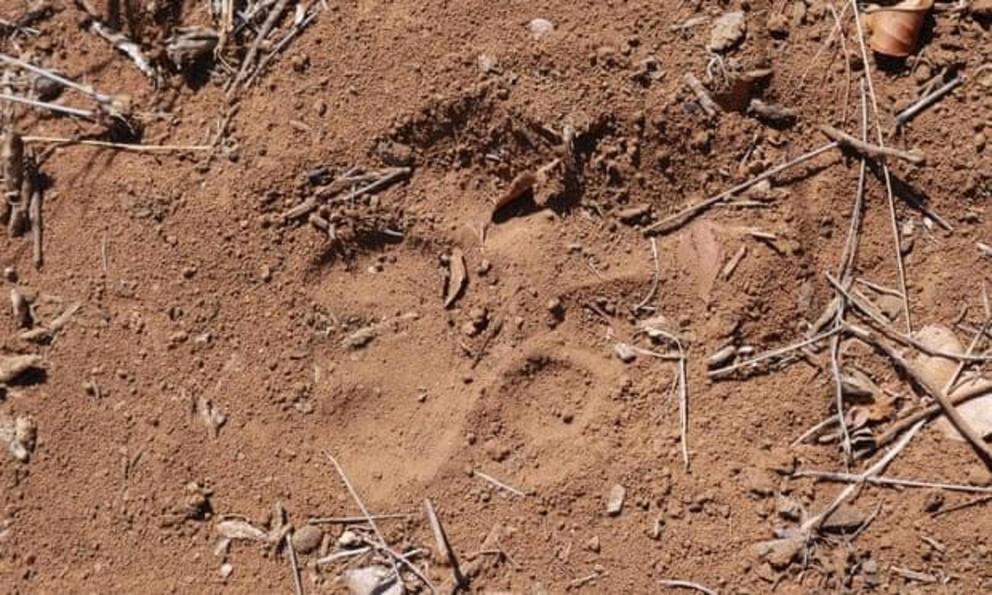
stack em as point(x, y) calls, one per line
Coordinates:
point(679, 219)
point(866, 149)
point(893, 481)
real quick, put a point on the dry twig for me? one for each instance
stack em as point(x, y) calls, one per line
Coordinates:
point(355, 520)
point(677, 584)
point(813, 523)
point(298, 28)
point(294, 564)
point(711, 107)
point(885, 169)
point(774, 353)
point(679, 219)
point(499, 484)
point(960, 424)
point(118, 146)
point(846, 263)
point(642, 305)
point(248, 63)
point(365, 511)
point(867, 149)
point(443, 546)
point(52, 107)
point(962, 506)
point(875, 319)
point(926, 101)
point(893, 481)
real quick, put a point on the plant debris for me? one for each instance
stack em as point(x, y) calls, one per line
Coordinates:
point(895, 29)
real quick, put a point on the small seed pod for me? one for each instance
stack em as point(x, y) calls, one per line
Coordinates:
point(895, 29)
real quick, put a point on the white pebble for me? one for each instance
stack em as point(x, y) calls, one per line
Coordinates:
point(540, 28)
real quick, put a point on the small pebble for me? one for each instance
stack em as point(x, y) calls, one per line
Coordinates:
point(724, 356)
point(349, 539)
point(624, 352)
point(727, 31)
point(540, 28)
point(226, 569)
point(593, 544)
point(307, 539)
point(614, 502)
point(487, 63)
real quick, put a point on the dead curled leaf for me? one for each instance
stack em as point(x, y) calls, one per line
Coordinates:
point(525, 182)
point(457, 277)
point(938, 371)
point(895, 29)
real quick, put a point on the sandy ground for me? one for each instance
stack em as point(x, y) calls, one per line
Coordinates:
point(222, 351)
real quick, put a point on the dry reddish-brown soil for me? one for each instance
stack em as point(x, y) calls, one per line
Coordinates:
point(193, 288)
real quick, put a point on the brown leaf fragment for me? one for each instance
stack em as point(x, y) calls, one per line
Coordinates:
point(539, 181)
point(896, 29)
point(518, 187)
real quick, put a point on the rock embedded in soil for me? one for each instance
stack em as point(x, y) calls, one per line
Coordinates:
point(760, 483)
point(238, 529)
point(307, 539)
point(845, 518)
point(593, 544)
point(487, 63)
point(727, 31)
point(789, 509)
point(395, 154)
point(11, 367)
point(614, 502)
point(624, 352)
point(779, 553)
point(540, 28)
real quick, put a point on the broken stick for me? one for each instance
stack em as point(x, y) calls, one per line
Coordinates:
point(706, 101)
point(869, 150)
point(926, 101)
point(110, 145)
point(294, 565)
point(247, 65)
point(34, 216)
point(444, 548)
point(687, 214)
point(962, 394)
point(959, 422)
